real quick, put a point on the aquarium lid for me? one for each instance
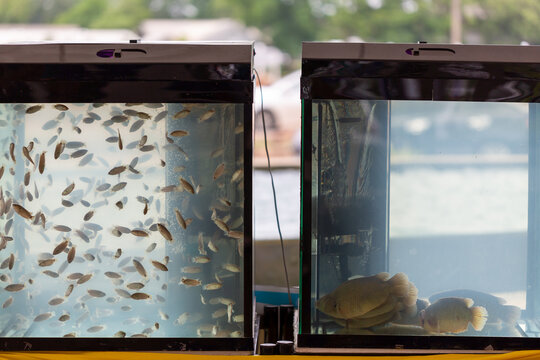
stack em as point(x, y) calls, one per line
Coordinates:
point(128, 52)
point(420, 52)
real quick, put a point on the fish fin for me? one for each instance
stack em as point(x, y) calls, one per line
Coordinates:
point(468, 302)
point(399, 284)
point(479, 317)
point(510, 314)
point(383, 276)
point(412, 295)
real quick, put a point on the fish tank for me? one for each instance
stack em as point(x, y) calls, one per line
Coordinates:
point(125, 196)
point(420, 198)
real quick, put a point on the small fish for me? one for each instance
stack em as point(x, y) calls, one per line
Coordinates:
point(201, 249)
point(84, 279)
point(118, 253)
point(143, 140)
point(26, 154)
point(159, 266)
point(74, 144)
point(136, 125)
point(212, 286)
point(71, 254)
point(164, 232)
point(56, 301)
point(61, 107)
point(190, 282)
point(236, 234)
point(179, 133)
point(8, 302)
point(88, 215)
point(27, 178)
point(212, 246)
point(14, 287)
point(70, 335)
point(147, 148)
point(43, 317)
point(180, 219)
point(168, 188)
point(117, 170)
point(11, 261)
point(221, 224)
point(201, 259)
point(207, 115)
point(22, 211)
point(89, 257)
point(60, 247)
point(187, 186)
point(79, 153)
point(74, 276)
point(62, 228)
point(140, 296)
point(232, 268)
point(237, 175)
point(120, 334)
point(143, 115)
point(139, 267)
point(135, 286)
point(68, 189)
point(67, 203)
point(217, 153)
point(219, 313)
point(59, 149)
point(119, 205)
point(151, 247)
point(220, 169)
point(95, 329)
point(50, 273)
point(119, 118)
point(140, 233)
point(182, 319)
point(95, 293)
point(123, 293)
point(238, 318)
point(145, 210)
point(64, 317)
point(12, 152)
point(181, 114)
point(46, 262)
point(120, 144)
point(119, 186)
point(33, 109)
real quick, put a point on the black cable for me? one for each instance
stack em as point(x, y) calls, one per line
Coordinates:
point(273, 189)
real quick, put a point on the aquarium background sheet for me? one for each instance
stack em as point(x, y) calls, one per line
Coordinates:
point(121, 220)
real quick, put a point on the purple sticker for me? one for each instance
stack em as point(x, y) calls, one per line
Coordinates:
point(105, 53)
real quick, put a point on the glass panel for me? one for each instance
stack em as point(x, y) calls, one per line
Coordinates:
point(121, 220)
point(422, 229)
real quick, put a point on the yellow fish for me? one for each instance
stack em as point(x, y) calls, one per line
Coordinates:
point(358, 296)
point(453, 315)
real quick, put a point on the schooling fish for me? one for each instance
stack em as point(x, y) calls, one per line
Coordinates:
point(26, 154)
point(453, 315)
point(33, 109)
point(59, 149)
point(22, 211)
point(164, 232)
point(207, 115)
point(179, 133)
point(220, 169)
point(68, 189)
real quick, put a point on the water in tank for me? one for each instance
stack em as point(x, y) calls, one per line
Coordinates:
point(122, 220)
point(419, 207)
point(124, 196)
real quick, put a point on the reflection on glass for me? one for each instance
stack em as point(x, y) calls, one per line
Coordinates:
point(121, 220)
point(420, 218)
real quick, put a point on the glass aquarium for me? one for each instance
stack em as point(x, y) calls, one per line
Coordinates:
point(419, 197)
point(125, 197)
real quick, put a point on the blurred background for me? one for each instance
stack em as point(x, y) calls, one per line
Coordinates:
point(278, 28)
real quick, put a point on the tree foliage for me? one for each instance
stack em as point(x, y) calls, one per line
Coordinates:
point(286, 23)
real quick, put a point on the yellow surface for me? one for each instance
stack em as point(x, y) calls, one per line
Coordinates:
point(533, 354)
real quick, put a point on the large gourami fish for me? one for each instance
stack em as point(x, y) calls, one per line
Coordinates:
point(358, 296)
point(453, 315)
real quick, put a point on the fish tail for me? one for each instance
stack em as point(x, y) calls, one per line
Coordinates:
point(510, 314)
point(479, 317)
point(412, 295)
point(399, 284)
